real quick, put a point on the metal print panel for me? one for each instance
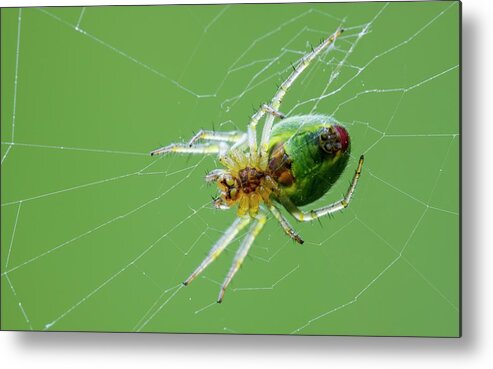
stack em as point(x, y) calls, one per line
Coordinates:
point(239, 169)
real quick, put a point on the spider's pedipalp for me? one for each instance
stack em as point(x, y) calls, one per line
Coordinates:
point(220, 204)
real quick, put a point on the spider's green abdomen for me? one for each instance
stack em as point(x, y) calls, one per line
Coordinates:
point(307, 155)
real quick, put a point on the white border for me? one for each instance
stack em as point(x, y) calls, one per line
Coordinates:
point(474, 350)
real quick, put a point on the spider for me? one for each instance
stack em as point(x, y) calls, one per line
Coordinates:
point(297, 162)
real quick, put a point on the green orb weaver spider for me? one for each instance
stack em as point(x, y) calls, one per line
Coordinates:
point(297, 162)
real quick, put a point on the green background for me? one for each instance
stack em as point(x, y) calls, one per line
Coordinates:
point(97, 235)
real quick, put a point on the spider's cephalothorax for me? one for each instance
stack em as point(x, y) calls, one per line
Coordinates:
point(243, 183)
point(296, 162)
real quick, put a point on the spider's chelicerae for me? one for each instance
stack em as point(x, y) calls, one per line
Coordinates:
point(297, 162)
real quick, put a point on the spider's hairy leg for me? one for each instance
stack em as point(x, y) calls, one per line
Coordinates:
point(252, 126)
point(329, 209)
point(240, 144)
point(229, 136)
point(283, 89)
point(273, 112)
point(220, 245)
point(285, 224)
point(205, 149)
point(242, 252)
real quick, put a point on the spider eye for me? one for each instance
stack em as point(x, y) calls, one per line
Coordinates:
point(325, 140)
point(333, 139)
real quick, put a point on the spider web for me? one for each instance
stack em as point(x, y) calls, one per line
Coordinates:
point(96, 235)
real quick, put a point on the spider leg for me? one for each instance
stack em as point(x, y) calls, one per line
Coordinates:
point(285, 224)
point(181, 148)
point(240, 143)
point(273, 112)
point(231, 136)
point(281, 92)
point(329, 209)
point(252, 127)
point(242, 252)
point(220, 245)
point(214, 143)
